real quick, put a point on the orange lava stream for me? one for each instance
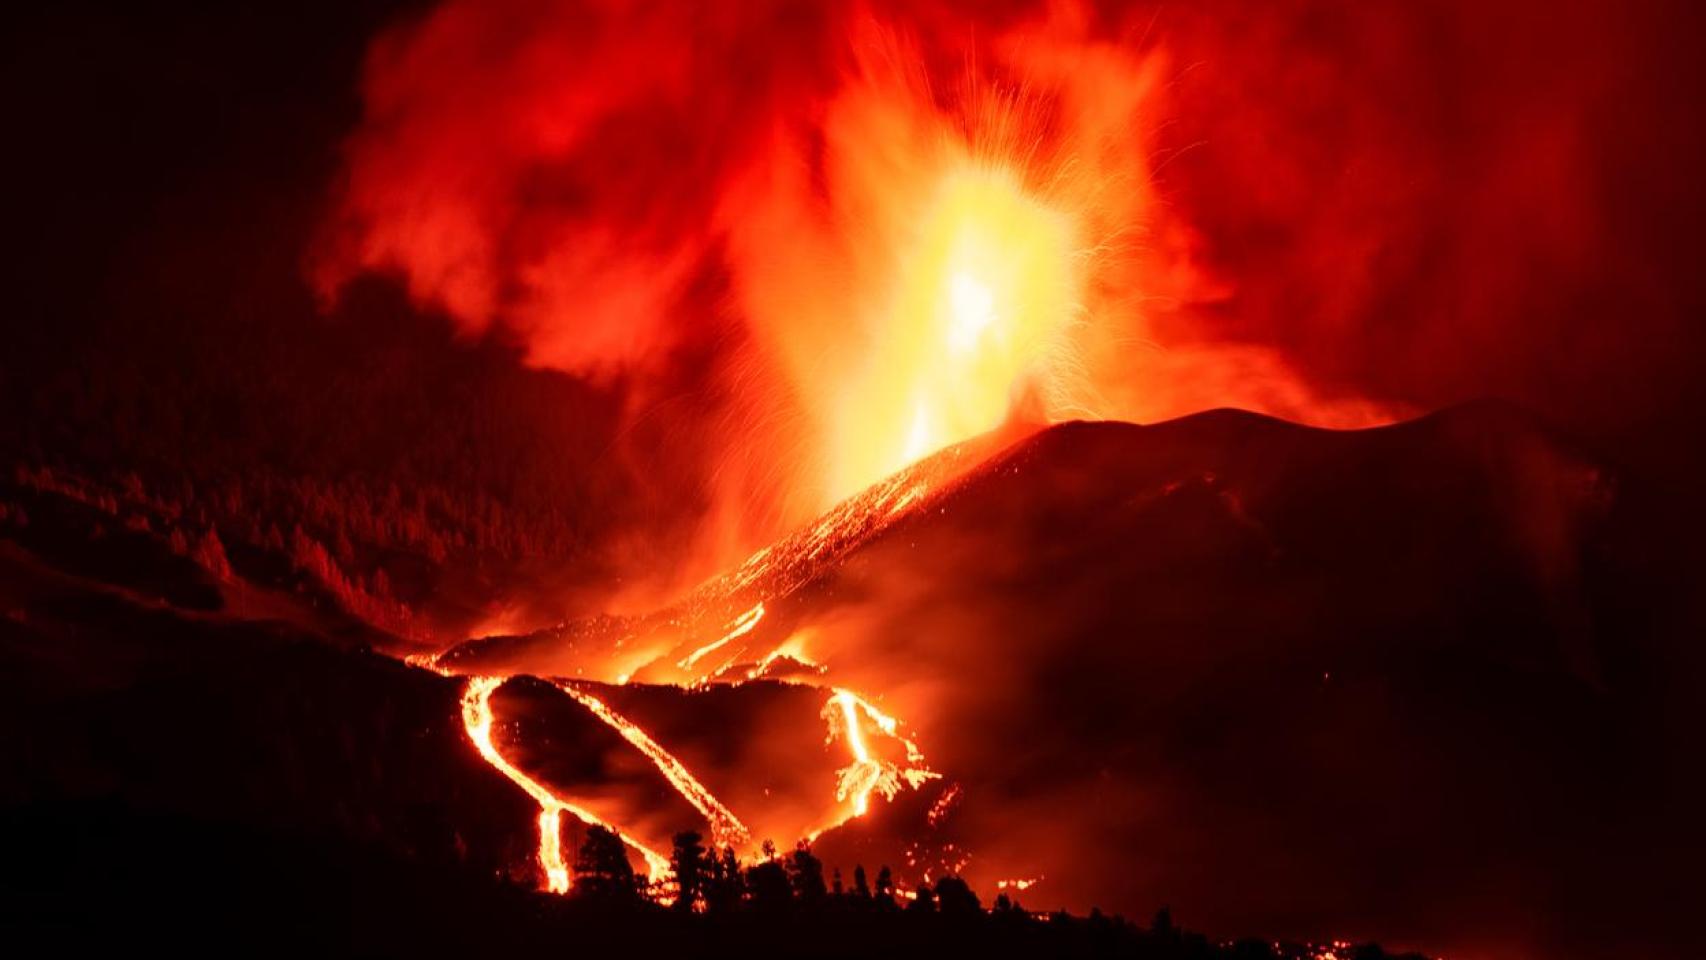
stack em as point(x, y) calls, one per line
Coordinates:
point(726, 828)
point(848, 714)
point(742, 626)
point(867, 774)
point(477, 719)
point(864, 774)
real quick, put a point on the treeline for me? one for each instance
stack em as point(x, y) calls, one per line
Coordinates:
point(393, 447)
point(106, 877)
point(789, 899)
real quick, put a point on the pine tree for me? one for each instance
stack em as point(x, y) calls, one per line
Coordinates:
point(923, 901)
point(885, 887)
point(956, 898)
point(688, 863)
point(602, 868)
point(723, 892)
point(805, 871)
point(767, 882)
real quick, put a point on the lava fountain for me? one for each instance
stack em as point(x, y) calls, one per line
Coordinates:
point(975, 327)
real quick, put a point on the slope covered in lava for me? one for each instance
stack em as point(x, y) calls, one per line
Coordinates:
point(1189, 634)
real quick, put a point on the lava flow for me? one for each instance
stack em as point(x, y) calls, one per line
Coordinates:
point(846, 712)
point(867, 774)
point(726, 828)
point(742, 626)
point(938, 299)
point(478, 721)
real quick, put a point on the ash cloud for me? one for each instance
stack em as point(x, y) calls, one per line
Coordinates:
point(1333, 213)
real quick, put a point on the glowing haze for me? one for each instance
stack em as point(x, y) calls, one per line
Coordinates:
point(898, 227)
point(889, 230)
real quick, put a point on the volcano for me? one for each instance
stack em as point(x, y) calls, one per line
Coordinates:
point(863, 478)
point(1364, 672)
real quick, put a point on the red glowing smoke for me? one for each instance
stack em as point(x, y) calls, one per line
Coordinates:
point(1330, 212)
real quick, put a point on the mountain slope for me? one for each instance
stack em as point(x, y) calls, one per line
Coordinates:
point(1388, 683)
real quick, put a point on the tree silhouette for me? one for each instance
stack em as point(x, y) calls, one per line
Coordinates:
point(885, 887)
point(805, 872)
point(767, 884)
point(957, 899)
point(688, 863)
point(1162, 926)
point(602, 868)
point(725, 885)
point(923, 901)
point(790, 895)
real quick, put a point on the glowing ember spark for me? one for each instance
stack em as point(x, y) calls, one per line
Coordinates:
point(741, 627)
point(477, 719)
point(944, 805)
point(726, 828)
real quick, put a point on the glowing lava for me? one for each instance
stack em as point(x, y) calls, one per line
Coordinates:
point(741, 627)
point(868, 774)
point(477, 719)
point(985, 290)
point(726, 828)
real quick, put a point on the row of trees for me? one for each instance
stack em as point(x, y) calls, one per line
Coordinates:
point(716, 896)
point(703, 878)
